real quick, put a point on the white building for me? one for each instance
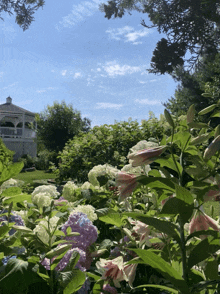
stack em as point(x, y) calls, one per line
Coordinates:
point(15, 129)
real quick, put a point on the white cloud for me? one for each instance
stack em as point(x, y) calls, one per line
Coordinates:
point(79, 13)
point(63, 72)
point(46, 89)
point(114, 69)
point(147, 102)
point(105, 105)
point(77, 75)
point(41, 91)
point(128, 34)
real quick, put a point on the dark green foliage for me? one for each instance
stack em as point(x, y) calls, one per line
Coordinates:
point(59, 123)
point(23, 9)
point(6, 155)
point(190, 91)
point(189, 26)
point(105, 144)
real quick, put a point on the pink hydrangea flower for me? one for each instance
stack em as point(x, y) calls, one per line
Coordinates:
point(145, 156)
point(116, 270)
point(126, 183)
point(202, 222)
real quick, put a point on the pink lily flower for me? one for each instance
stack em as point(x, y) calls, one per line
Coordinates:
point(202, 222)
point(116, 270)
point(145, 156)
point(126, 183)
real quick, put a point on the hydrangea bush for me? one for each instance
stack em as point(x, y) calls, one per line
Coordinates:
point(140, 228)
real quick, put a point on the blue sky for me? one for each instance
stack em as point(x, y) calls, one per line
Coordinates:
point(72, 52)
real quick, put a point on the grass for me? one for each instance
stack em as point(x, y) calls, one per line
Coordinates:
point(30, 177)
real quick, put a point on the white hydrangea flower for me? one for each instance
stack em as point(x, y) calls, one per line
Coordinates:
point(41, 199)
point(49, 189)
point(40, 229)
point(87, 185)
point(89, 210)
point(142, 145)
point(128, 168)
point(69, 191)
point(101, 170)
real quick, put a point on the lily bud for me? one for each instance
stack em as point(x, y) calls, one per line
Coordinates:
point(212, 148)
point(190, 114)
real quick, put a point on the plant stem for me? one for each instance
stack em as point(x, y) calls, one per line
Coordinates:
point(183, 250)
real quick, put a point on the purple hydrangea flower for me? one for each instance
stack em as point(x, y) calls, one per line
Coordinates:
point(109, 289)
point(13, 218)
point(80, 223)
point(85, 287)
point(65, 260)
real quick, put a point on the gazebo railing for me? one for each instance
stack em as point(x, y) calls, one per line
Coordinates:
point(6, 132)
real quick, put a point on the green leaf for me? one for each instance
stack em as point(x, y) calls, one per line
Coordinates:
point(58, 250)
point(12, 191)
point(164, 226)
point(197, 125)
point(207, 109)
point(203, 250)
point(98, 287)
point(164, 268)
point(211, 269)
point(114, 218)
point(18, 199)
point(156, 182)
point(184, 194)
point(11, 171)
point(200, 139)
point(197, 234)
point(168, 162)
point(77, 280)
point(171, 290)
point(169, 118)
point(182, 139)
point(175, 206)
point(19, 274)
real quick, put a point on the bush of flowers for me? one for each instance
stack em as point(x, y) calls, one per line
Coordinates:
point(138, 229)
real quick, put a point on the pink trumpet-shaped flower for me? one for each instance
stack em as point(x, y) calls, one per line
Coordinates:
point(126, 183)
point(145, 156)
point(202, 222)
point(116, 270)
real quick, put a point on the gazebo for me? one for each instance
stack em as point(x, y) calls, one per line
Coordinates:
point(16, 131)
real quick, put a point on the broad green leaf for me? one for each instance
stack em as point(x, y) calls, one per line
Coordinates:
point(211, 269)
point(98, 287)
point(171, 290)
point(207, 109)
point(156, 182)
point(19, 274)
point(58, 250)
point(175, 206)
point(12, 191)
point(72, 261)
point(93, 276)
point(164, 268)
point(182, 139)
point(198, 125)
point(112, 217)
point(168, 162)
point(76, 282)
point(197, 234)
point(22, 229)
point(11, 171)
point(200, 139)
point(183, 194)
point(162, 225)
point(18, 198)
point(203, 250)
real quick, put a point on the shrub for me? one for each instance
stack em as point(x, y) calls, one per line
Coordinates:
point(105, 144)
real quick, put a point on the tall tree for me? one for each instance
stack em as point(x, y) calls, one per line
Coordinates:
point(190, 26)
point(205, 78)
point(23, 10)
point(59, 123)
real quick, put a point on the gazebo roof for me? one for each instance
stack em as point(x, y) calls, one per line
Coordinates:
point(11, 108)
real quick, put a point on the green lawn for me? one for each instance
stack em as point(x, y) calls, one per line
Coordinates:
point(29, 177)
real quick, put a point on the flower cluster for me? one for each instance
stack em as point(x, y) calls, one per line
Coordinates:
point(43, 226)
point(79, 222)
point(13, 218)
point(43, 195)
point(69, 191)
point(101, 170)
point(48, 189)
point(89, 210)
point(11, 183)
